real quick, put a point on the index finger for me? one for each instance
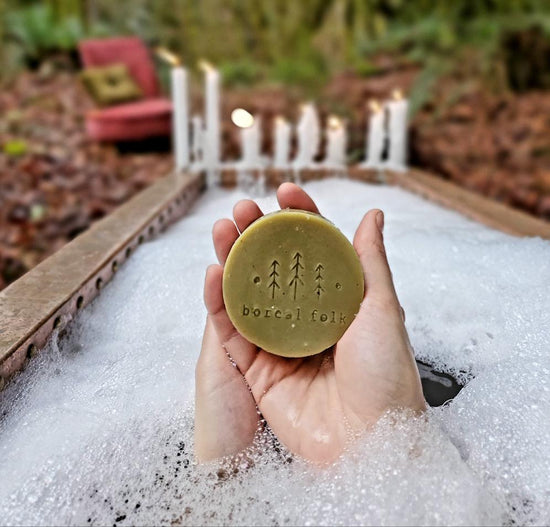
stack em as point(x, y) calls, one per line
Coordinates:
point(291, 196)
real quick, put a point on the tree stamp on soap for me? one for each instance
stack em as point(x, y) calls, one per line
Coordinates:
point(296, 269)
point(273, 275)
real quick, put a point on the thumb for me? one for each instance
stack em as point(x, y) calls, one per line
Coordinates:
point(369, 244)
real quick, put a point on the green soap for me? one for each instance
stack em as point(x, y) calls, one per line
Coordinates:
point(292, 283)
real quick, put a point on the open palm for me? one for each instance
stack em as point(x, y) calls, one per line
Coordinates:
point(314, 405)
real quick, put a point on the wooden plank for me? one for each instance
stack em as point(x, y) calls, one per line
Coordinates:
point(274, 177)
point(48, 295)
point(477, 207)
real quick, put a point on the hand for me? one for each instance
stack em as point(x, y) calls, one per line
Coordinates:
point(314, 405)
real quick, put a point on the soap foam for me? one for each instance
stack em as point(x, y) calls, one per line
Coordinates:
point(99, 428)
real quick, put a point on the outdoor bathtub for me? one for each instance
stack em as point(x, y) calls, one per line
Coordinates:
point(98, 428)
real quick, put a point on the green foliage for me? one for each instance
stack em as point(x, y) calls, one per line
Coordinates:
point(290, 41)
point(240, 73)
point(365, 68)
point(307, 73)
point(38, 31)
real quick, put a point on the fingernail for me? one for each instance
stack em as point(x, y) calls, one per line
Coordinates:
point(380, 221)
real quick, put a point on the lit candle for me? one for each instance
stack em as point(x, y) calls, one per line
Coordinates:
point(397, 125)
point(336, 143)
point(309, 135)
point(197, 139)
point(250, 138)
point(375, 136)
point(282, 143)
point(180, 108)
point(315, 132)
point(211, 146)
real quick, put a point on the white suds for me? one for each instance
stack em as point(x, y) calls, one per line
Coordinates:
point(98, 429)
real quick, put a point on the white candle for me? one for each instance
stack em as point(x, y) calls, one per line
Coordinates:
point(375, 136)
point(180, 117)
point(315, 132)
point(250, 138)
point(251, 145)
point(282, 143)
point(397, 126)
point(211, 145)
point(302, 137)
point(309, 135)
point(180, 108)
point(336, 143)
point(197, 138)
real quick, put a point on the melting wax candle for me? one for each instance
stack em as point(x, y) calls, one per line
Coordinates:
point(282, 143)
point(197, 139)
point(397, 124)
point(180, 117)
point(336, 143)
point(250, 138)
point(375, 136)
point(211, 146)
point(180, 108)
point(308, 132)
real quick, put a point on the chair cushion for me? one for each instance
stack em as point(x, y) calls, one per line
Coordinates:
point(127, 50)
point(111, 84)
point(136, 120)
point(146, 108)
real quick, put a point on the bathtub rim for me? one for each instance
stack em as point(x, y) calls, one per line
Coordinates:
point(45, 299)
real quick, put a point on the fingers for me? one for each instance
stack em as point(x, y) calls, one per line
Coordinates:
point(224, 234)
point(246, 212)
point(213, 295)
point(369, 244)
point(213, 300)
point(291, 196)
point(240, 350)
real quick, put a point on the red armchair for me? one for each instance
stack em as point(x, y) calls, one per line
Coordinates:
point(151, 116)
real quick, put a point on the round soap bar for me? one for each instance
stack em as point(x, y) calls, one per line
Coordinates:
point(292, 283)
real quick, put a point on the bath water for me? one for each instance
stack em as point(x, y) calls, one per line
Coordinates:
point(98, 430)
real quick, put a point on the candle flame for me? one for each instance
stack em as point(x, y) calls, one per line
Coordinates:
point(334, 123)
point(397, 94)
point(167, 56)
point(205, 66)
point(242, 118)
point(374, 106)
